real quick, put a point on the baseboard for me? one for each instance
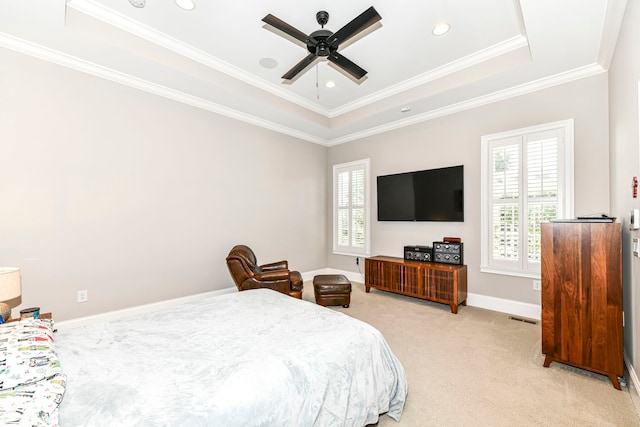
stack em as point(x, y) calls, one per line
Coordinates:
point(352, 276)
point(522, 309)
point(634, 384)
point(531, 311)
point(146, 308)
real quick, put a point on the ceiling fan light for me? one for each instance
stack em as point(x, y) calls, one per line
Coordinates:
point(440, 29)
point(186, 4)
point(137, 3)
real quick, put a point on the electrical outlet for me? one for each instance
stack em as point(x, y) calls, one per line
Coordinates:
point(537, 285)
point(83, 296)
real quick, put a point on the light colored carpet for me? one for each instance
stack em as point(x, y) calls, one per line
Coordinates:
point(479, 368)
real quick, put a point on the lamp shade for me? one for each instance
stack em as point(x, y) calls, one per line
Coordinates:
point(10, 287)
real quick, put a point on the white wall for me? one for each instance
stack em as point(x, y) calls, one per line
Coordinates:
point(137, 198)
point(624, 79)
point(455, 140)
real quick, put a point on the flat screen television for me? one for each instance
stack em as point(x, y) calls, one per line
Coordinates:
point(427, 195)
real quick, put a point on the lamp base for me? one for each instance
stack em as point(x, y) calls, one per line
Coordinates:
point(5, 311)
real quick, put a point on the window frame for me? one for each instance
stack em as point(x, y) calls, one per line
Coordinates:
point(524, 268)
point(351, 250)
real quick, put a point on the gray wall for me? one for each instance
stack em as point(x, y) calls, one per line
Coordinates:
point(624, 76)
point(455, 140)
point(138, 199)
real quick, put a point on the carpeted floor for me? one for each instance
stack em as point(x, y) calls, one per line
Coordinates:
point(479, 368)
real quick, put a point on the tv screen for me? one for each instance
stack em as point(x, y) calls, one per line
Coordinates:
point(428, 195)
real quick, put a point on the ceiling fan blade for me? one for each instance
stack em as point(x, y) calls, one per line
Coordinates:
point(347, 65)
point(360, 23)
point(299, 67)
point(285, 28)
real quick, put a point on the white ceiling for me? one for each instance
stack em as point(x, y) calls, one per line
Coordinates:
point(210, 57)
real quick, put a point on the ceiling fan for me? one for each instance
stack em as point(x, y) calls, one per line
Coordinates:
point(324, 43)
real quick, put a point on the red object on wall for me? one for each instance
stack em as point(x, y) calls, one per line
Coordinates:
point(635, 187)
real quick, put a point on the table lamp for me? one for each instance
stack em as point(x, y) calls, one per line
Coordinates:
point(10, 288)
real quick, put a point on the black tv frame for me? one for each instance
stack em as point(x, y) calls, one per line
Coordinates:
point(422, 196)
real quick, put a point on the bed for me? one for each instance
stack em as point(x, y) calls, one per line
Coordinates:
point(252, 358)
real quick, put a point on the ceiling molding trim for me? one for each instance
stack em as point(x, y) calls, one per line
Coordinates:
point(555, 80)
point(123, 22)
point(517, 8)
point(68, 61)
point(468, 61)
point(610, 31)
point(63, 59)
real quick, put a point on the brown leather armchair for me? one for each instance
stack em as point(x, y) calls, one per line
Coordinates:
point(247, 274)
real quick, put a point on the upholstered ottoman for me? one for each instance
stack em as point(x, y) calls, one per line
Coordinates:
point(332, 289)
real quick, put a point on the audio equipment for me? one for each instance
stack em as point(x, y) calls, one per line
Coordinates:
point(447, 252)
point(418, 253)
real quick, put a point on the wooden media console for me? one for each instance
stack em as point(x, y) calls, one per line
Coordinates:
point(444, 283)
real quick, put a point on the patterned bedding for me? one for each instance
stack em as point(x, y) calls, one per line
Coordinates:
point(252, 358)
point(31, 382)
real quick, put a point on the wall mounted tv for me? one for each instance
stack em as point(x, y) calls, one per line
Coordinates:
point(427, 195)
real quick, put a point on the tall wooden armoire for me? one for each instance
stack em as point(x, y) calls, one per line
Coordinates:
point(582, 296)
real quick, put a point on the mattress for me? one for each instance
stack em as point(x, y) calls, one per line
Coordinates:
point(251, 358)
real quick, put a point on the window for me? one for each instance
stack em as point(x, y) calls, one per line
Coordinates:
point(351, 208)
point(527, 178)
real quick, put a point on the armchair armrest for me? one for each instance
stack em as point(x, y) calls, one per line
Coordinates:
point(280, 265)
point(269, 276)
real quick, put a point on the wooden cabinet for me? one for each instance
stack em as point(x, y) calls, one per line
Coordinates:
point(582, 296)
point(443, 283)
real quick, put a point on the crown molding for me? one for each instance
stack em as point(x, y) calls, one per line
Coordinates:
point(69, 61)
point(547, 82)
point(123, 22)
point(610, 31)
point(75, 63)
point(468, 61)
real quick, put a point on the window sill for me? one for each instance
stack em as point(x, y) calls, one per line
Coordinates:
point(351, 254)
point(504, 272)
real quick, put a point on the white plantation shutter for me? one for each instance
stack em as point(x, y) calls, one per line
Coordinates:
point(357, 208)
point(543, 185)
point(351, 208)
point(344, 207)
point(505, 216)
point(526, 181)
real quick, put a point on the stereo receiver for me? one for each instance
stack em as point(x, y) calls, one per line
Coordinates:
point(447, 252)
point(418, 253)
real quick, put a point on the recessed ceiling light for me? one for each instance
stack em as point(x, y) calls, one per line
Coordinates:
point(440, 29)
point(405, 109)
point(330, 84)
point(137, 3)
point(186, 4)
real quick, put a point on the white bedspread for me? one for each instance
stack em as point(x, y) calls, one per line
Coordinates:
point(253, 358)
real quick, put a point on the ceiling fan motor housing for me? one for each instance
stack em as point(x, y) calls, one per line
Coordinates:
point(317, 43)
